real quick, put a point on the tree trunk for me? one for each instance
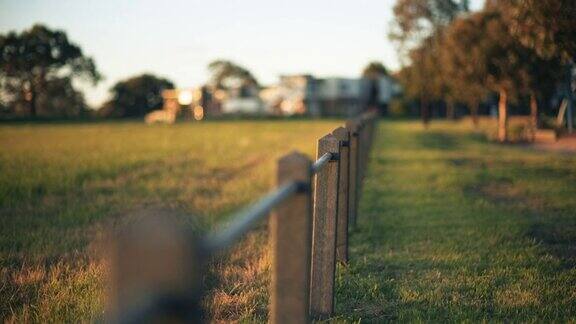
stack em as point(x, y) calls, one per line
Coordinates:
point(533, 116)
point(474, 114)
point(503, 117)
point(33, 104)
point(425, 112)
point(450, 110)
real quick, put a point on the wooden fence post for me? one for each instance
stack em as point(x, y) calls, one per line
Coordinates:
point(324, 232)
point(290, 241)
point(352, 126)
point(343, 137)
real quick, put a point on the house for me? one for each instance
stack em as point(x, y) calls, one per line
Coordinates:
point(334, 96)
point(239, 105)
point(294, 95)
point(300, 94)
point(189, 103)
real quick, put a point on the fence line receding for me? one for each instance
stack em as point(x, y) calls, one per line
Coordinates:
point(312, 211)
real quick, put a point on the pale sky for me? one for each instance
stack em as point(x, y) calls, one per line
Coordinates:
point(177, 38)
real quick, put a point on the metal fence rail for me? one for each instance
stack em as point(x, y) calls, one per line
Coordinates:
point(308, 234)
point(321, 162)
point(245, 220)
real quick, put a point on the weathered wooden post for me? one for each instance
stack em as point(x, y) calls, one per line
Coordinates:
point(290, 242)
point(324, 231)
point(343, 137)
point(352, 126)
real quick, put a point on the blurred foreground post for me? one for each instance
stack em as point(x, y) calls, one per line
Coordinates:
point(290, 240)
point(156, 273)
point(343, 137)
point(324, 231)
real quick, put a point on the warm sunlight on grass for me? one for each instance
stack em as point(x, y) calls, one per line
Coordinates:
point(62, 185)
point(454, 228)
point(451, 227)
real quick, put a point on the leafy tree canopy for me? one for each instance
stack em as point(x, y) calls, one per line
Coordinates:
point(36, 62)
point(135, 96)
point(547, 26)
point(416, 20)
point(482, 51)
point(226, 74)
point(374, 70)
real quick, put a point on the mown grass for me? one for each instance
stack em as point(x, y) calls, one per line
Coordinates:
point(453, 228)
point(63, 187)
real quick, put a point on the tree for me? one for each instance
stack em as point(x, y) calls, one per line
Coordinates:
point(60, 99)
point(229, 75)
point(36, 62)
point(437, 83)
point(136, 96)
point(372, 73)
point(464, 75)
point(416, 24)
point(415, 80)
point(547, 26)
point(482, 53)
point(374, 70)
point(416, 20)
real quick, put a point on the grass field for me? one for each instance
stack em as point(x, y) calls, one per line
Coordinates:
point(62, 186)
point(451, 227)
point(454, 228)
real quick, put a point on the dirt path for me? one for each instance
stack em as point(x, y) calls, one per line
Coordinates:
point(565, 144)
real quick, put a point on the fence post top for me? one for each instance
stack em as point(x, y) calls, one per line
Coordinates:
point(341, 133)
point(329, 143)
point(297, 165)
point(353, 125)
point(294, 157)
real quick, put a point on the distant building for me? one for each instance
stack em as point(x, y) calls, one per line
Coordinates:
point(190, 103)
point(300, 94)
point(305, 94)
point(248, 105)
point(293, 95)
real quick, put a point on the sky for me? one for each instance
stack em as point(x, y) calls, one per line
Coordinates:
point(177, 39)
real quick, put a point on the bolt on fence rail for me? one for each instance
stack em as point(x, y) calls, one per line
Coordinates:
point(308, 234)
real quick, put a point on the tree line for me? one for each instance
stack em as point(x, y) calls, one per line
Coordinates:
point(515, 50)
point(41, 69)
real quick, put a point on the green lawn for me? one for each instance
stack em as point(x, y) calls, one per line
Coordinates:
point(453, 228)
point(64, 186)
